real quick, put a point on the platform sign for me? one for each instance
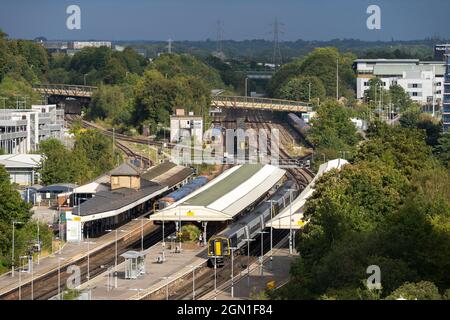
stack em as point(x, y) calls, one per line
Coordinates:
point(190, 213)
point(73, 227)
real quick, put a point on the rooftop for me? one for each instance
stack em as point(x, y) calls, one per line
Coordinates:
point(125, 169)
point(226, 196)
point(20, 160)
point(286, 220)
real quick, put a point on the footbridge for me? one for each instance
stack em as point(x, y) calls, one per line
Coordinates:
point(238, 102)
point(217, 101)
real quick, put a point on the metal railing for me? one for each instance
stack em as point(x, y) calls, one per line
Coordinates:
point(65, 89)
point(259, 103)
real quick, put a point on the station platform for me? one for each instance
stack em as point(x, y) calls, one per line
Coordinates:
point(176, 266)
point(249, 288)
point(70, 253)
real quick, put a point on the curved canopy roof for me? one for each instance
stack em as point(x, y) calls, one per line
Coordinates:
point(292, 216)
point(224, 197)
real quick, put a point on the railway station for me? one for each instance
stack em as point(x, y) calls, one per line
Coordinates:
point(291, 217)
point(122, 195)
point(225, 197)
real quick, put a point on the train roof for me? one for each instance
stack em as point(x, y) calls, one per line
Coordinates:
point(256, 212)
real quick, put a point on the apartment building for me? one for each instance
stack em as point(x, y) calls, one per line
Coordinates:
point(21, 130)
point(422, 80)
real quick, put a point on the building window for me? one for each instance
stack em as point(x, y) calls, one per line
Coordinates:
point(115, 180)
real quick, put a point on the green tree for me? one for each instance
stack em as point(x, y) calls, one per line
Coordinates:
point(12, 207)
point(109, 102)
point(94, 154)
point(422, 290)
point(399, 98)
point(332, 131)
point(57, 163)
point(302, 88)
point(442, 150)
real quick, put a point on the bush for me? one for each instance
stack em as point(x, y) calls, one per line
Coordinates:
point(190, 233)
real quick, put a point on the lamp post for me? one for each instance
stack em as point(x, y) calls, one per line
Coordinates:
point(84, 76)
point(248, 240)
point(13, 239)
point(271, 231)
point(246, 86)
point(115, 257)
point(142, 231)
point(20, 272)
point(193, 281)
point(59, 277)
point(261, 262)
point(167, 286)
point(232, 270)
point(88, 276)
point(39, 242)
point(32, 278)
point(290, 219)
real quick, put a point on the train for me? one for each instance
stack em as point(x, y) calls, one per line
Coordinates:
point(182, 192)
point(249, 226)
point(300, 126)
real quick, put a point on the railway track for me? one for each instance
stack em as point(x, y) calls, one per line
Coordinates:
point(204, 280)
point(46, 286)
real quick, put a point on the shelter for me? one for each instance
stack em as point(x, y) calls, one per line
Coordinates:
point(292, 217)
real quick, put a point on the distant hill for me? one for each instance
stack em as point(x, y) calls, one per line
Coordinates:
point(262, 50)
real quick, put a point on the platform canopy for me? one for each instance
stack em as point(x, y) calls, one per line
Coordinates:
point(292, 216)
point(224, 197)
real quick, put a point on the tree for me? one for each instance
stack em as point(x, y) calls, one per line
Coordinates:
point(56, 165)
point(320, 63)
point(399, 98)
point(12, 207)
point(302, 88)
point(401, 148)
point(442, 150)
point(156, 97)
point(376, 93)
point(109, 102)
point(423, 290)
point(332, 131)
point(94, 154)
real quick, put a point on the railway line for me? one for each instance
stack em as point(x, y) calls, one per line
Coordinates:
point(205, 276)
point(205, 279)
point(46, 285)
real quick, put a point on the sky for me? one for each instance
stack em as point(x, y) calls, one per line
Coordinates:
point(242, 19)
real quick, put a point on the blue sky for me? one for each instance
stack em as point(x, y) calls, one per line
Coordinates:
point(243, 19)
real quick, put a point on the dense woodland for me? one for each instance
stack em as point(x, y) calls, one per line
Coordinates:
point(390, 207)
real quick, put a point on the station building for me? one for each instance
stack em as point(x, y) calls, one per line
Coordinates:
point(22, 168)
point(116, 198)
point(224, 198)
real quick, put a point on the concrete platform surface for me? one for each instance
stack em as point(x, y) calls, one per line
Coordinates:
point(176, 265)
point(69, 253)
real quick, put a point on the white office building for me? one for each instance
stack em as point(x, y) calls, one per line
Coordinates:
point(21, 130)
point(423, 81)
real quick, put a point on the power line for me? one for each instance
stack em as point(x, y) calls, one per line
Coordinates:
point(277, 58)
point(219, 39)
point(169, 45)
